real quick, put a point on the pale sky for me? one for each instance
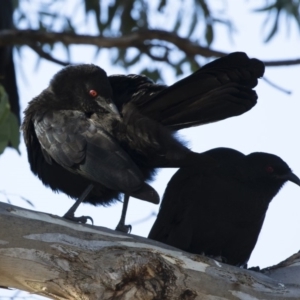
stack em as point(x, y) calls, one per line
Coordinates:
point(271, 126)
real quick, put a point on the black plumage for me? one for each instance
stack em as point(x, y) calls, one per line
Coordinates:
point(219, 211)
point(112, 132)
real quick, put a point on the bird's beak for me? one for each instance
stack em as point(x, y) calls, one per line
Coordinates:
point(108, 105)
point(293, 178)
point(112, 108)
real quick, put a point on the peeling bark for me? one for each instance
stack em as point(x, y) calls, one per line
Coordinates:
point(50, 256)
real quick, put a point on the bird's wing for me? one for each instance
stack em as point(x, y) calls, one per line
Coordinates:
point(133, 88)
point(181, 217)
point(242, 245)
point(173, 225)
point(219, 90)
point(81, 145)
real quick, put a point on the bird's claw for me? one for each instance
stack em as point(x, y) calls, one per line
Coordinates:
point(255, 269)
point(218, 258)
point(82, 219)
point(124, 228)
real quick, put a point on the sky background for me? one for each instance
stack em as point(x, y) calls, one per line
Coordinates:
point(271, 126)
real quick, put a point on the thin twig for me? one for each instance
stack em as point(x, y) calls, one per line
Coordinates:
point(6, 195)
point(47, 56)
point(274, 85)
point(140, 221)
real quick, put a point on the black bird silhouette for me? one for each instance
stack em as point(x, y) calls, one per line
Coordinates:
point(220, 211)
point(94, 137)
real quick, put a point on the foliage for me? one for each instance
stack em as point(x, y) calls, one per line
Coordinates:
point(9, 129)
point(193, 19)
point(289, 8)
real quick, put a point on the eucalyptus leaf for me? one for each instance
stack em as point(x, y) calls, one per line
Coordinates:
point(9, 128)
point(94, 6)
point(266, 8)
point(3, 144)
point(152, 74)
point(4, 105)
point(112, 13)
point(14, 135)
point(289, 7)
point(193, 23)
point(209, 34)
point(274, 29)
point(161, 5)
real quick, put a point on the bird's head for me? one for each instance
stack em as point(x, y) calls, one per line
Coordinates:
point(84, 87)
point(269, 168)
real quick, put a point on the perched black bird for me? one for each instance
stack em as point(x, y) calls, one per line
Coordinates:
point(220, 211)
point(94, 137)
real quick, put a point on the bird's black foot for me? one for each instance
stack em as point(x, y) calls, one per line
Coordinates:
point(218, 258)
point(82, 219)
point(124, 228)
point(256, 269)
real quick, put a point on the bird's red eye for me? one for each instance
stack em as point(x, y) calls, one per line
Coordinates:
point(93, 93)
point(269, 169)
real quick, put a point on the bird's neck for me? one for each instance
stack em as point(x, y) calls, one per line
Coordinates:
point(263, 186)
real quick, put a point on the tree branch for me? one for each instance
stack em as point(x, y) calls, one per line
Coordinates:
point(59, 259)
point(276, 86)
point(47, 56)
point(137, 39)
point(282, 63)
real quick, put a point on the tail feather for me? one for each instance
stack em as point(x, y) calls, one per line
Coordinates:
point(223, 102)
point(219, 90)
point(146, 193)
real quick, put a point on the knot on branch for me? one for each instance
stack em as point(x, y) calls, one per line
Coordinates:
point(145, 275)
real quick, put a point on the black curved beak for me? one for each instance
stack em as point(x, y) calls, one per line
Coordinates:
point(108, 105)
point(293, 178)
point(112, 108)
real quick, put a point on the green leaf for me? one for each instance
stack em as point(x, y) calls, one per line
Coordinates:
point(112, 10)
point(120, 57)
point(161, 5)
point(14, 136)
point(94, 6)
point(42, 26)
point(152, 74)
point(193, 64)
point(133, 61)
point(3, 145)
point(178, 22)
point(277, 8)
point(9, 128)
point(178, 69)
point(68, 26)
point(45, 13)
point(127, 21)
point(266, 8)
point(209, 34)
point(193, 24)
point(143, 19)
point(4, 105)
point(16, 4)
point(274, 29)
point(204, 8)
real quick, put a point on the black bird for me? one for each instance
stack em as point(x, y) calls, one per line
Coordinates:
point(219, 211)
point(94, 137)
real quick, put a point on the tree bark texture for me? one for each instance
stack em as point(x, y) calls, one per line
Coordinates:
point(47, 255)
